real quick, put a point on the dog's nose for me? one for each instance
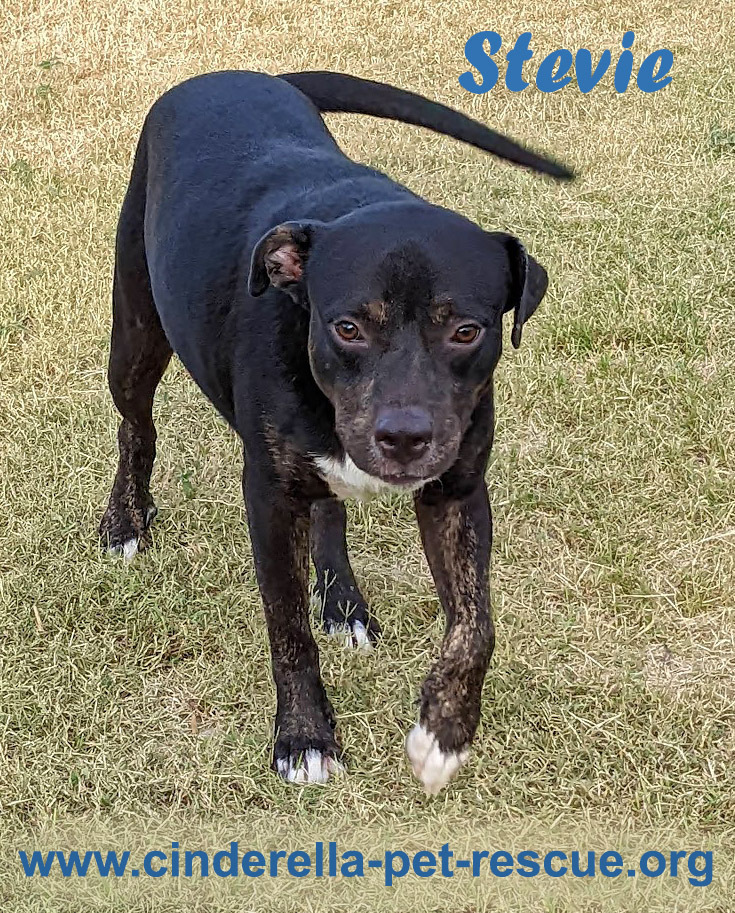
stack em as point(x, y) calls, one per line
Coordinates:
point(403, 434)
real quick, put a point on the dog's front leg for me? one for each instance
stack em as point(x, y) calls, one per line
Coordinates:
point(457, 535)
point(344, 611)
point(306, 749)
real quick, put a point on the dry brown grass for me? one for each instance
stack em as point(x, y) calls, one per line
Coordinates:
point(127, 696)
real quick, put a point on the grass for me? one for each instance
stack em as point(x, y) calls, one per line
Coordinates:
point(135, 703)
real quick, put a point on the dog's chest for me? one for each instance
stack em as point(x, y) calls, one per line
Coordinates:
point(346, 480)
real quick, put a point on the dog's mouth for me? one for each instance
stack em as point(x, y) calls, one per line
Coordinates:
point(405, 479)
point(414, 475)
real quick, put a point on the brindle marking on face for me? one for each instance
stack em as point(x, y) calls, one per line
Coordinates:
point(354, 418)
point(377, 311)
point(440, 311)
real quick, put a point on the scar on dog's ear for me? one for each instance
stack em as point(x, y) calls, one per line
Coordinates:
point(528, 287)
point(279, 257)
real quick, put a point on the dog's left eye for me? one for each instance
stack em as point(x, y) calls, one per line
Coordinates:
point(466, 334)
point(348, 331)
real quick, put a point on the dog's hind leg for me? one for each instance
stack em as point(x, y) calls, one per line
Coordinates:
point(139, 355)
point(343, 610)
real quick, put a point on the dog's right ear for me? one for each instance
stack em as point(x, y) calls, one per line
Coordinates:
point(279, 258)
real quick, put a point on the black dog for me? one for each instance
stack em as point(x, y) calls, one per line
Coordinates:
point(348, 331)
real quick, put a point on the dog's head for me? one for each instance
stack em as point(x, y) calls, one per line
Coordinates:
point(406, 304)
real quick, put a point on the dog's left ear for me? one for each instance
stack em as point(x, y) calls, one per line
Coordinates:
point(279, 258)
point(528, 285)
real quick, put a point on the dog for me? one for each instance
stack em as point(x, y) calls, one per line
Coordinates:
point(348, 331)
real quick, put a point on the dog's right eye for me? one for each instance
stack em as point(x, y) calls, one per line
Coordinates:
point(348, 331)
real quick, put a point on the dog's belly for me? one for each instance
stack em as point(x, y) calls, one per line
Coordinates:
point(346, 480)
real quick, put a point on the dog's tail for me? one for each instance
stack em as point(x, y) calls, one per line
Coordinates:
point(352, 95)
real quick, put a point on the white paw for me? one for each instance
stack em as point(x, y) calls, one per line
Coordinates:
point(311, 767)
point(351, 634)
point(128, 550)
point(434, 767)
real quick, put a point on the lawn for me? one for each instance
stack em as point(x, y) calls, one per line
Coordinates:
point(135, 702)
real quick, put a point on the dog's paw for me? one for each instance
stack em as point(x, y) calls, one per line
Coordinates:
point(123, 532)
point(127, 551)
point(352, 634)
point(306, 749)
point(310, 766)
point(344, 614)
point(434, 767)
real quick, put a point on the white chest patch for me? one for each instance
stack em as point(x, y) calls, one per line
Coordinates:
point(349, 481)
